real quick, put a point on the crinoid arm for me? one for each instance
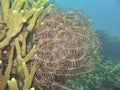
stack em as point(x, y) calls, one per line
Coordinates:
point(66, 47)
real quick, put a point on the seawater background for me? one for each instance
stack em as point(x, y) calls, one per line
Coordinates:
point(105, 14)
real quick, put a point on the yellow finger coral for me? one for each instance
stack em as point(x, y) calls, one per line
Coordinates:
point(18, 13)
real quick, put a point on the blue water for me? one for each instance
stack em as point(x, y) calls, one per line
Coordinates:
point(105, 14)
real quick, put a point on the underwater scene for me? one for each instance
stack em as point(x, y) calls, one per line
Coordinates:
point(59, 45)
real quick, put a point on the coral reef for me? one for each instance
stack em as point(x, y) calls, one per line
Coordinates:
point(105, 77)
point(16, 13)
point(17, 19)
point(39, 48)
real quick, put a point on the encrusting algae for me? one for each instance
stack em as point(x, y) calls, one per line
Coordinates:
point(39, 46)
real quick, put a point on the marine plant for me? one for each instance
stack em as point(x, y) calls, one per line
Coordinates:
point(38, 48)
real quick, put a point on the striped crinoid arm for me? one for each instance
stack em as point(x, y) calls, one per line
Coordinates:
point(66, 46)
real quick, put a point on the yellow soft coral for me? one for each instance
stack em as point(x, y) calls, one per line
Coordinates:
point(17, 13)
point(17, 18)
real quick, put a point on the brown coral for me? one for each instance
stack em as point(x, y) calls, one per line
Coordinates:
point(66, 46)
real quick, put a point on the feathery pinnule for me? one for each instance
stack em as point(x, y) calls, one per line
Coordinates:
point(66, 46)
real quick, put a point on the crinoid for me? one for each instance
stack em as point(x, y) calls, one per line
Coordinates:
point(66, 47)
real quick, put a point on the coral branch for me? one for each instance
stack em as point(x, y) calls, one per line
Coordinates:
point(5, 77)
point(21, 12)
point(24, 37)
point(12, 84)
point(21, 58)
point(28, 79)
point(28, 76)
